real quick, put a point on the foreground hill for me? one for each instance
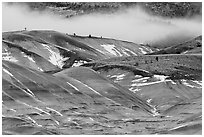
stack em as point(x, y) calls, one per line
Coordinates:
point(37, 97)
point(80, 101)
point(55, 83)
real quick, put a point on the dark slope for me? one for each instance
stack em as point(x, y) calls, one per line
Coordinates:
point(193, 46)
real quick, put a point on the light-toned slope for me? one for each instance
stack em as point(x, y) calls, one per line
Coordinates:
point(55, 47)
point(114, 48)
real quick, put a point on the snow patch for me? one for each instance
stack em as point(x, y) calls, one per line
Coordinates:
point(125, 52)
point(55, 58)
point(78, 63)
point(141, 79)
point(30, 58)
point(91, 119)
point(33, 121)
point(73, 86)
point(89, 87)
point(142, 50)
point(134, 90)
point(149, 100)
point(198, 82)
point(173, 82)
point(148, 49)
point(138, 76)
point(7, 72)
point(189, 85)
point(185, 52)
point(118, 77)
point(7, 56)
point(111, 49)
point(181, 126)
point(40, 69)
point(160, 77)
point(145, 84)
point(54, 111)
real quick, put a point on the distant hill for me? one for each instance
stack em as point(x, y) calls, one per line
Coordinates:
point(165, 9)
point(193, 46)
point(175, 66)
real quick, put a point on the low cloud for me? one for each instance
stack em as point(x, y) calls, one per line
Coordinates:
point(130, 24)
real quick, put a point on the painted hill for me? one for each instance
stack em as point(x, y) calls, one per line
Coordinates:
point(175, 66)
point(193, 46)
point(60, 51)
point(55, 83)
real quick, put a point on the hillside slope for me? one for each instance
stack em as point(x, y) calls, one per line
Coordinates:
point(54, 83)
point(193, 46)
point(63, 51)
point(176, 66)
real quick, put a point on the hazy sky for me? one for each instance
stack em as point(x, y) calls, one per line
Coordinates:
point(132, 25)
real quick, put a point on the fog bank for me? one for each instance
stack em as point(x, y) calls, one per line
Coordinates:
point(131, 24)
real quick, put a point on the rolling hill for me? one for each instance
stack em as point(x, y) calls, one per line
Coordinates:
point(55, 83)
point(193, 46)
point(63, 51)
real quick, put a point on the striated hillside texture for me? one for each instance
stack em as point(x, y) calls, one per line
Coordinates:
point(55, 83)
point(59, 50)
point(193, 46)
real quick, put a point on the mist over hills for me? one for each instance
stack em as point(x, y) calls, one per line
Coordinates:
point(131, 23)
